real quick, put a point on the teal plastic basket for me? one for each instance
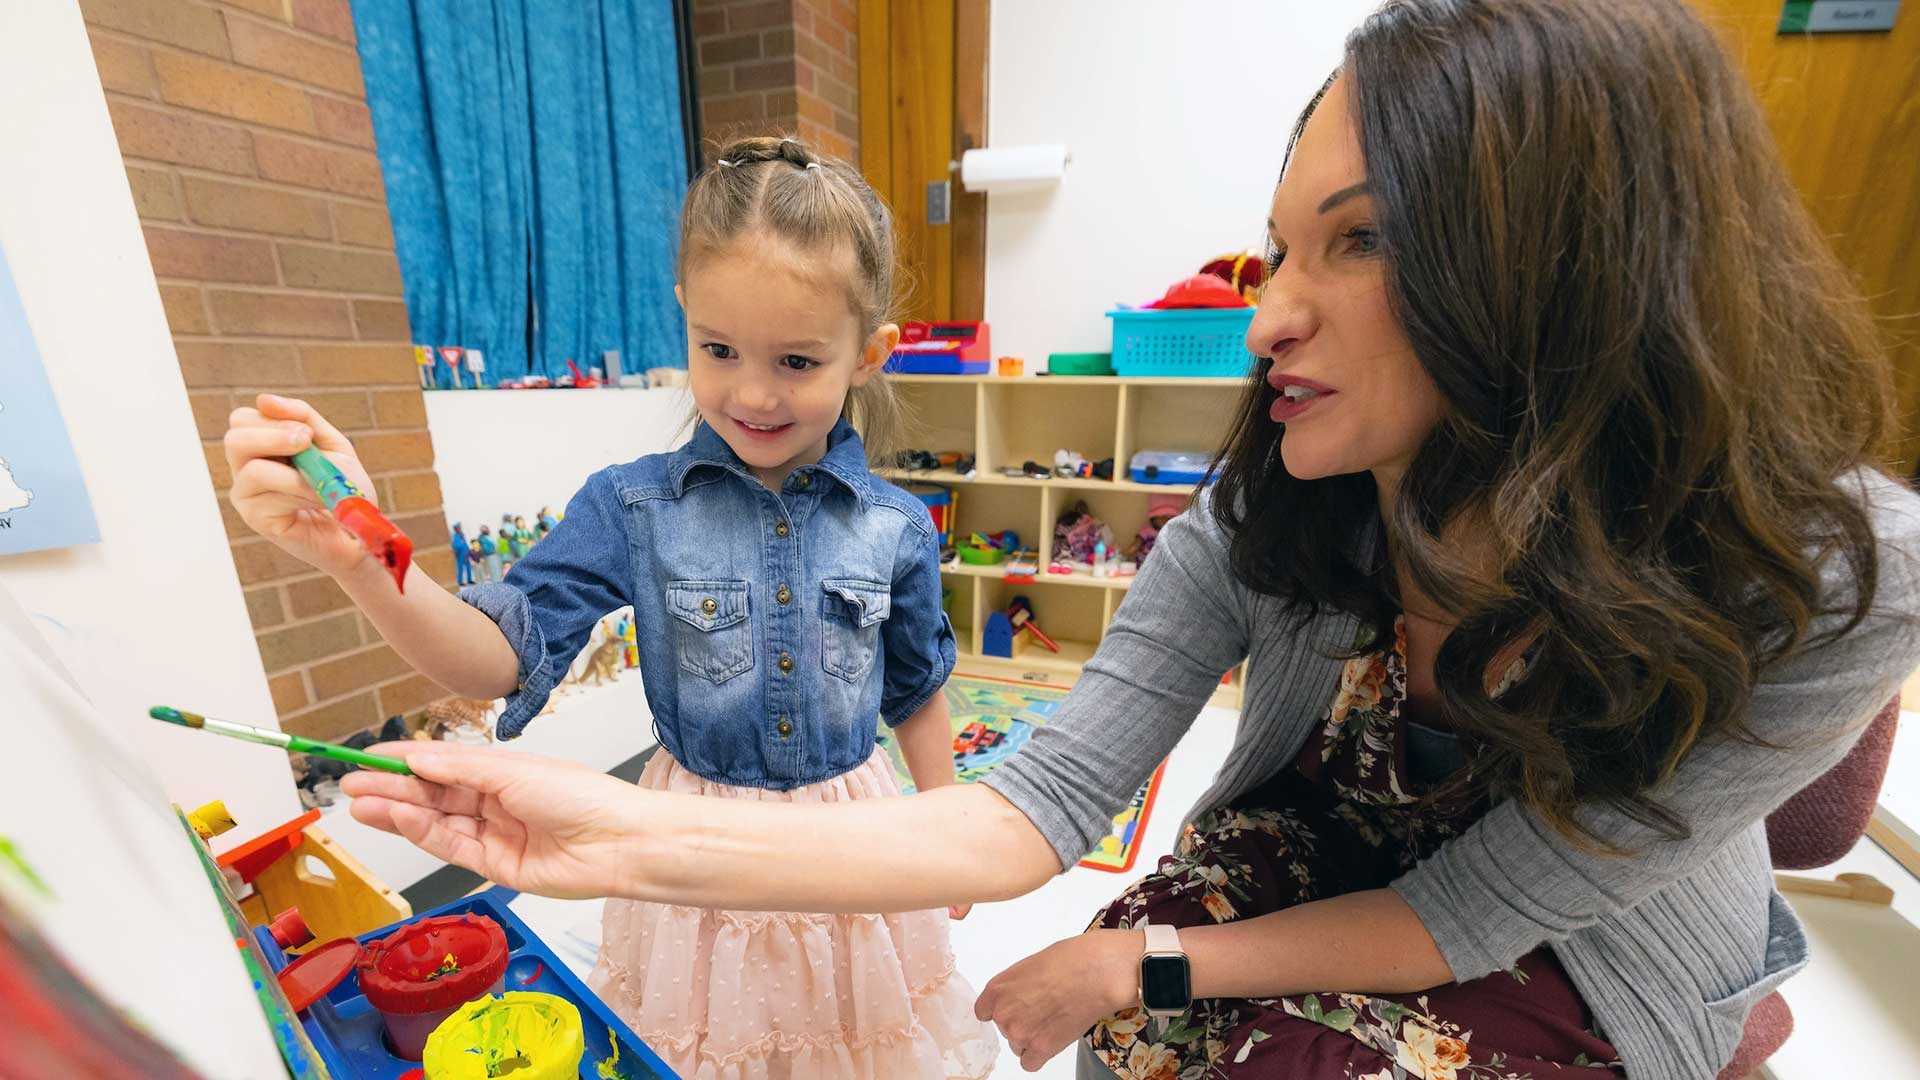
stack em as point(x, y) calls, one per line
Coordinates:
point(1191, 343)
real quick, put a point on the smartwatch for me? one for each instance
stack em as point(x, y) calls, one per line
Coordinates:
point(1166, 980)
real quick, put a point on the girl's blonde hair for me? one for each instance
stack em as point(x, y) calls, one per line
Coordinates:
point(816, 202)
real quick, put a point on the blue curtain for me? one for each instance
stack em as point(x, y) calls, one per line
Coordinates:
point(534, 163)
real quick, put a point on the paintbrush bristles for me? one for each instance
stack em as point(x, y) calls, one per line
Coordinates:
point(175, 716)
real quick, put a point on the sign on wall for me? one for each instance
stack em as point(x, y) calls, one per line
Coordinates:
point(1837, 16)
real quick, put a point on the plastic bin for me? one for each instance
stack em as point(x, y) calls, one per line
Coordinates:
point(1192, 343)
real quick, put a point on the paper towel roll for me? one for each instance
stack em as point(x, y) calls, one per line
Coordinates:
point(1013, 168)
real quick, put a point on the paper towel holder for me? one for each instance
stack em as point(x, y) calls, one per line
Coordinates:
point(1012, 168)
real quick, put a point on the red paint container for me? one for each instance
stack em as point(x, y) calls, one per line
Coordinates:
point(405, 976)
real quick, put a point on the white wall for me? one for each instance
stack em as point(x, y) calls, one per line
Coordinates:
point(152, 614)
point(518, 450)
point(1176, 116)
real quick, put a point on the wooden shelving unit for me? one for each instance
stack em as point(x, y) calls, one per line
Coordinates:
point(1006, 422)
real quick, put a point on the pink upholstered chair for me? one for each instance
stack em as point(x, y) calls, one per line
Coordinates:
point(1812, 829)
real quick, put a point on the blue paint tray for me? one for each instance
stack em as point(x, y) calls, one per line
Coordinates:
point(350, 1038)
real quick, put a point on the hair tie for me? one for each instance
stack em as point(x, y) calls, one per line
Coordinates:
point(723, 161)
point(813, 164)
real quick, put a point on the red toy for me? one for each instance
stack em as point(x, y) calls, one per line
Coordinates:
point(976, 736)
point(1201, 291)
point(1020, 613)
point(581, 382)
point(943, 348)
point(1246, 271)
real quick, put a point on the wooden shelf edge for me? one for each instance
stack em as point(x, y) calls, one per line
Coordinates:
point(1065, 380)
point(1070, 484)
point(995, 573)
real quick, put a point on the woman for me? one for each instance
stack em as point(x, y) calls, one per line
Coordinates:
point(1560, 451)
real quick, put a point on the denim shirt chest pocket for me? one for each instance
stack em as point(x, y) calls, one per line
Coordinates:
point(851, 612)
point(712, 632)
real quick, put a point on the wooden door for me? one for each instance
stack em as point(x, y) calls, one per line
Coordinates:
point(923, 94)
point(1845, 109)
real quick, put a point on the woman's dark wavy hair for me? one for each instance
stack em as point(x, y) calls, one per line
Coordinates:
point(1654, 372)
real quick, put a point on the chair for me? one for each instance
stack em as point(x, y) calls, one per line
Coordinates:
point(1815, 828)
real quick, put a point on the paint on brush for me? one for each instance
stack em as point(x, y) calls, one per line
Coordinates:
point(176, 716)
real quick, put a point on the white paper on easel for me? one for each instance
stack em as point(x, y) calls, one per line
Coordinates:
point(131, 908)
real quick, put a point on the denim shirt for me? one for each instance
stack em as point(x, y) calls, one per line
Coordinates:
point(773, 628)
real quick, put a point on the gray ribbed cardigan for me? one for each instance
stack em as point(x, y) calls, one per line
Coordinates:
point(1670, 947)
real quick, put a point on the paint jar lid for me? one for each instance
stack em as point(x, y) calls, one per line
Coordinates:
point(433, 964)
point(310, 976)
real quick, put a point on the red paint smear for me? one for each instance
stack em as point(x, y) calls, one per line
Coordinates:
point(413, 1074)
point(539, 968)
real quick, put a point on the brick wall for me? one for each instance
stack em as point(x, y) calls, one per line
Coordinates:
point(781, 66)
point(249, 150)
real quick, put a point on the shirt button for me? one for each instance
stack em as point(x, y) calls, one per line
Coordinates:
point(781, 530)
point(784, 727)
point(709, 605)
point(806, 479)
point(784, 595)
point(786, 663)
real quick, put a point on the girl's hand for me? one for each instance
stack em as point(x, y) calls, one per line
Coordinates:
point(535, 824)
point(271, 495)
point(1045, 1002)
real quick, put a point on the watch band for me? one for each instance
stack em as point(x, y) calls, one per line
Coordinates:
point(1162, 938)
point(1163, 947)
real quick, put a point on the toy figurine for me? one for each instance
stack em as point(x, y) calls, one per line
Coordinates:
point(510, 548)
point(490, 548)
point(462, 557)
point(1162, 511)
point(1075, 534)
point(630, 633)
point(522, 535)
point(481, 569)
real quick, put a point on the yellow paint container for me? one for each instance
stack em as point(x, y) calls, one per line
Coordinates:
point(518, 1036)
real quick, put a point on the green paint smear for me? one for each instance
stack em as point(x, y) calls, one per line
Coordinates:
point(303, 1062)
point(10, 855)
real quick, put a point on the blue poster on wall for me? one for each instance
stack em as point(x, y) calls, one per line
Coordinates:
point(43, 500)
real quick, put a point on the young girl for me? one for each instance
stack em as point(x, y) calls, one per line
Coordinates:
point(787, 598)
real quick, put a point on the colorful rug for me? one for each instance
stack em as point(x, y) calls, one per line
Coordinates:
point(993, 718)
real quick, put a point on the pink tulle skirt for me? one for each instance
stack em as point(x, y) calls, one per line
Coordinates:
point(755, 995)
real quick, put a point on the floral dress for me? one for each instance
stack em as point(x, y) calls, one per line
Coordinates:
point(1343, 817)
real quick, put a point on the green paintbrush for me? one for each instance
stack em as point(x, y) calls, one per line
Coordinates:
point(291, 743)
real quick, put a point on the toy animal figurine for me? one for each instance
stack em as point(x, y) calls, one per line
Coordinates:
point(603, 663)
point(458, 719)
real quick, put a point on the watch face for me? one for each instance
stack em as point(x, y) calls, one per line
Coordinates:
point(1163, 983)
